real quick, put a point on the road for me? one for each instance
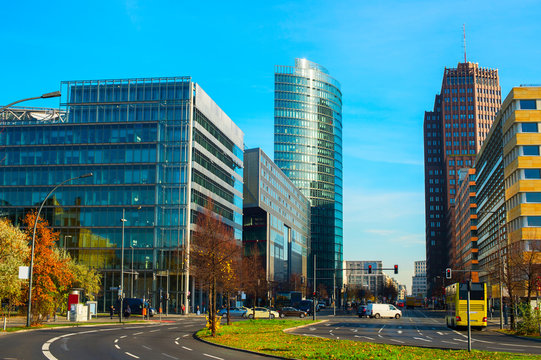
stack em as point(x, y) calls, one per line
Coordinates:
point(417, 328)
point(161, 341)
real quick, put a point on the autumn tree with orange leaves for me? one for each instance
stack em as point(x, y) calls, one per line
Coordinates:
point(213, 253)
point(52, 277)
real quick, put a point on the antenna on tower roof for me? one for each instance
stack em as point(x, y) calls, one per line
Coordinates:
point(464, 32)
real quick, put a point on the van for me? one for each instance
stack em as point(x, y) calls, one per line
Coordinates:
point(383, 310)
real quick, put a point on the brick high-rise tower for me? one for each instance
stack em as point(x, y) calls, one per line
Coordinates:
point(453, 133)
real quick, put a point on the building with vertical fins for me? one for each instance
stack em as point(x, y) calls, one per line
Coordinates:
point(158, 149)
point(454, 131)
point(308, 149)
point(276, 222)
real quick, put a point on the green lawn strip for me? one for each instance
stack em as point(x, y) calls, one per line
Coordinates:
point(267, 336)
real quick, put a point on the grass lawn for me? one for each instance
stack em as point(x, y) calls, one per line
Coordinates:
point(509, 332)
point(267, 336)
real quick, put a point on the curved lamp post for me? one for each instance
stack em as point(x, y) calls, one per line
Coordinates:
point(44, 96)
point(28, 315)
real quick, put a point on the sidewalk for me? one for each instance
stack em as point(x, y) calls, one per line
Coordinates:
point(20, 321)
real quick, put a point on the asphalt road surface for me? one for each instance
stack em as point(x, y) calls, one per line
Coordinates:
point(417, 328)
point(161, 341)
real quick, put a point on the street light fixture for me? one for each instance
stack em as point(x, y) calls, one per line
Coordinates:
point(43, 96)
point(28, 315)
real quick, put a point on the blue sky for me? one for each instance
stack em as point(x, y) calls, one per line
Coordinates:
point(389, 57)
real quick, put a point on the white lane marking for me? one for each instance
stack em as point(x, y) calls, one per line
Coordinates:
point(176, 342)
point(439, 333)
point(133, 327)
point(214, 357)
point(116, 340)
point(461, 340)
point(399, 331)
point(185, 335)
point(123, 336)
point(449, 342)
point(380, 336)
point(146, 347)
point(456, 332)
point(118, 347)
point(186, 348)
point(366, 337)
point(381, 329)
point(169, 356)
point(312, 328)
point(133, 356)
point(138, 333)
point(519, 345)
point(174, 327)
point(398, 341)
point(64, 345)
point(177, 338)
point(154, 330)
point(423, 339)
point(47, 344)
point(327, 324)
point(315, 336)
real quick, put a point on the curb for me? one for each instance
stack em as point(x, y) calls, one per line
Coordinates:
point(74, 325)
point(302, 326)
point(517, 336)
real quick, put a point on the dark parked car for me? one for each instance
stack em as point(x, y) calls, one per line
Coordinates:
point(362, 311)
point(305, 305)
point(291, 311)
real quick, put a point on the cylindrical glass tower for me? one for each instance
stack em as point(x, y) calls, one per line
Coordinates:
point(308, 149)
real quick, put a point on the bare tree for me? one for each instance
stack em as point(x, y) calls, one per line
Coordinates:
point(213, 249)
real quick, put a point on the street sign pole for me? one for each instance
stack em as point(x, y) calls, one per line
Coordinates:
point(469, 324)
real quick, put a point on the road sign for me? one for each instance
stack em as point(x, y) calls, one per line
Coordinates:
point(24, 272)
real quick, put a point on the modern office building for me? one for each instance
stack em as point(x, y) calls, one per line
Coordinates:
point(509, 209)
point(276, 221)
point(453, 134)
point(356, 275)
point(464, 252)
point(158, 148)
point(418, 281)
point(308, 149)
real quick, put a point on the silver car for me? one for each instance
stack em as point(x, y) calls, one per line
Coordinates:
point(233, 312)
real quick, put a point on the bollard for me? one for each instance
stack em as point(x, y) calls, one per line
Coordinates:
point(5, 323)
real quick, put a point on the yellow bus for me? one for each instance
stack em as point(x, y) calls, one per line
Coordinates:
point(456, 298)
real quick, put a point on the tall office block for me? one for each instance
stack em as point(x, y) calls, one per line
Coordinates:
point(276, 221)
point(158, 147)
point(308, 149)
point(453, 134)
point(418, 281)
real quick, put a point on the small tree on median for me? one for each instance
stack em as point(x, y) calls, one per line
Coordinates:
point(211, 254)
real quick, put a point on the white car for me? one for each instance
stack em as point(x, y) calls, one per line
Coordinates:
point(383, 310)
point(262, 313)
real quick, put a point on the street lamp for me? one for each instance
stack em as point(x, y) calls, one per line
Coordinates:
point(131, 246)
point(44, 96)
point(120, 313)
point(34, 241)
point(500, 261)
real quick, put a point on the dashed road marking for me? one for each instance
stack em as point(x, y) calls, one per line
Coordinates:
point(138, 333)
point(133, 356)
point(366, 337)
point(449, 342)
point(398, 341)
point(176, 342)
point(185, 335)
point(439, 333)
point(186, 348)
point(399, 331)
point(116, 340)
point(146, 347)
point(154, 330)
point(177, 338)
point(422, 339)
point(212, 356)
point(123, 336)
point(461, 340)
point(169, 356)
point(381, 329)
point(118, 347)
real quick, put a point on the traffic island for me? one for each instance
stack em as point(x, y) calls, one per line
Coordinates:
point(269, 337)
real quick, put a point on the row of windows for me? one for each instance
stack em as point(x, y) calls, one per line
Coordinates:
point(209, 165)
point(459, 152)
point(216, 188)
point(461, 90)
point(317, 93)
point(56, 155)
point(306, 98)
point(302, 140)
point(517, 128)
point(217, 133)
point(79, 134)
point(209, 145)
point(110, 91)
point(169, 112)
point(309, 81)
point(295, 131)
point(39, 175)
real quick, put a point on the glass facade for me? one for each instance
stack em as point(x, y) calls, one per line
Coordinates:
point(276, 220)
point(308, 149)
point(154, 153)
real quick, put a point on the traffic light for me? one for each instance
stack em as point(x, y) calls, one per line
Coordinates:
point(370, 269)
point(448, 273)
point(396, 269)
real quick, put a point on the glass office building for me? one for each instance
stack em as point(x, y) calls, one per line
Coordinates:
point(308, 149)
point(276, 221)
point(158, 147)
